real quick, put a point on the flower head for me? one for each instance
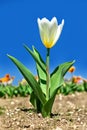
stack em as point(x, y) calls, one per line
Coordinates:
point(72, 69)
point(77, 79)
point(49, 31)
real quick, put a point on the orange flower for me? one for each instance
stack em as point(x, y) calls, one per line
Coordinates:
point(72, 69)
point(77, 79)
point(5, 79)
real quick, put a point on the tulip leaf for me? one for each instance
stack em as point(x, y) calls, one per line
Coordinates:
point(41, 73)
point(33, 99)
point(35, 102)
point(37, 54)
point(57, 76)
point(39, 61)
point(47, 108)
point(30, 79)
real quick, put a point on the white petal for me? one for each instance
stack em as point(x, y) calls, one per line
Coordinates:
point(39, 23)
point(59, 30)
point(44, 20)
point(54, 20)
point(44, 29)
point(40, 29)
point(53, 29)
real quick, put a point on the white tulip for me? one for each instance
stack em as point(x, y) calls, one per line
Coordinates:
point(49, 31)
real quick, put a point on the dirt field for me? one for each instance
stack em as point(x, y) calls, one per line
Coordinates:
point(70, 113)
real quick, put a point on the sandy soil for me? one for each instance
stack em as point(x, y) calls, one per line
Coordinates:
point(70, 113)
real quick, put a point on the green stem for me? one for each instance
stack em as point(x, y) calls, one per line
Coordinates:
point(48, 74)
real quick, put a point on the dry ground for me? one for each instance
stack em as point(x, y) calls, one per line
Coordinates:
point(70, 113)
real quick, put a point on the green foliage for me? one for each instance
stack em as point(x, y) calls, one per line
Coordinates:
point(69, 88)
point(85, 86)
point(2, 92)
point(44, 91)
point(11, 91)
point(23, 90)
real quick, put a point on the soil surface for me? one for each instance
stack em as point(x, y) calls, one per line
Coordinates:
point(70, 113)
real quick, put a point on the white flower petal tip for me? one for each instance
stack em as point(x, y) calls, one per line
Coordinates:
point(63, 22)
point(54, 19)
point(49, 31)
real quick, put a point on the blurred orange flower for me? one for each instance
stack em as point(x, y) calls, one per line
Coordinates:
point(77, 79)
point(6, 80)
point(72, 69)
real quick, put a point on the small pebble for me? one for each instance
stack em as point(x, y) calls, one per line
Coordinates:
point(12, 103)
point(57, 128)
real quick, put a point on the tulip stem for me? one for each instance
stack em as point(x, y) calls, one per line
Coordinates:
point(48, 74)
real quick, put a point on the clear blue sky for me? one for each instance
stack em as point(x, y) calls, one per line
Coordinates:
point(18, 26)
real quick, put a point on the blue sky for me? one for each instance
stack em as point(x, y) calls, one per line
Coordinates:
point(18, 26)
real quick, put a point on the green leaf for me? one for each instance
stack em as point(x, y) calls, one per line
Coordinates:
point(2, 92)
point(47, 108)
point(57, 76)
point(37, 54)
point(38, 60)
point(9, 91)
point(33, 99)
point(30, 79)
point(56, 82)
point(35, 102)
point(85, 85)
point(28, 89)
point(41, 67)
point(41, 73)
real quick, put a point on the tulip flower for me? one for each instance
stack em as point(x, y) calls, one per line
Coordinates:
point(49, 31)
